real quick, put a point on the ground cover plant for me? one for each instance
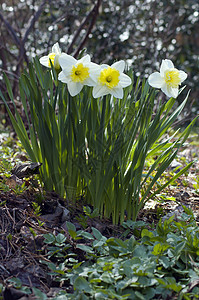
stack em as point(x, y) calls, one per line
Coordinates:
point(160, 264)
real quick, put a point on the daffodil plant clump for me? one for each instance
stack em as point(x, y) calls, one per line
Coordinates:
point(93, 127)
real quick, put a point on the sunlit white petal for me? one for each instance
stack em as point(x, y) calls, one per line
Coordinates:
point(56, 62)
point(119, 65)
point(94, 67)
point(169, 91)
point(125, 80)
point(44, 60)
point(67, 72)
point(74, 88)
point(164, 67)
point(182, 75)
point(56, 49)
point(156, 80)
point(66, 61)
point(90, 81)
point(62, 77)
point(100, 90)
point(103, 66)
point(165, 90)
point(117, 93)
point(173, 92)
point(85, 59)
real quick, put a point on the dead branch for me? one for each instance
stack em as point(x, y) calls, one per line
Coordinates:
point(93, 13)
point(10, 29)
point(33, 21)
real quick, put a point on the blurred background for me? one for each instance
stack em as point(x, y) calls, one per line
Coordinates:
point(143, 32)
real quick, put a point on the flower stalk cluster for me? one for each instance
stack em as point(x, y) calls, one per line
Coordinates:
point(99, 149)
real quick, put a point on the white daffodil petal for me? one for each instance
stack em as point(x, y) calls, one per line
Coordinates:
point(119, 65)
point(166, 90)
point(174, 92)
point(66, 61)
point(90, 81)
point(94, 73)
point(164, 67)
point(125, 80)
point(56, 62)
point(100, 90)
point(169, 91)
point(93, 67)
point(44, 61)
point(67, 72)
point(182, 75)
point(74, 88)
point(117, 93)
point(85, 59)
point(156, 80)
point(62, 77)
point(103, 66)
point(56, 49)
point(169, 63)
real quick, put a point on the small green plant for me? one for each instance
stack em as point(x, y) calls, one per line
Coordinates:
point(4, 187)
point(91, 214)
point(20, 188)
point(16, 282)
point(37, 208)
point(57, 245)
point(160, 264)
point(83, 220)
point(196, 185)
point(37, 212)
point(2, 203)
point(88, 213)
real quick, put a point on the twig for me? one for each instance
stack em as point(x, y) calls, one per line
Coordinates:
point(28, 30)
point(10, 29)
point(10, 73)
point(95, 14)
point(94, 11)
point(33, 20)
point(85, 20)
point(22, 51)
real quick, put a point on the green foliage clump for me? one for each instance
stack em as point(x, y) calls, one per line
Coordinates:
point(97, 148)
point(160, 264)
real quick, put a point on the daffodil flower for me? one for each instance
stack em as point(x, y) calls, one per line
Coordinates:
point(77, 73)
point(111, 80)
point(53, 57)
point(168, 79)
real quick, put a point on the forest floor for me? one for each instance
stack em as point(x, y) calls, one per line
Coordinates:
point(26, 215)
